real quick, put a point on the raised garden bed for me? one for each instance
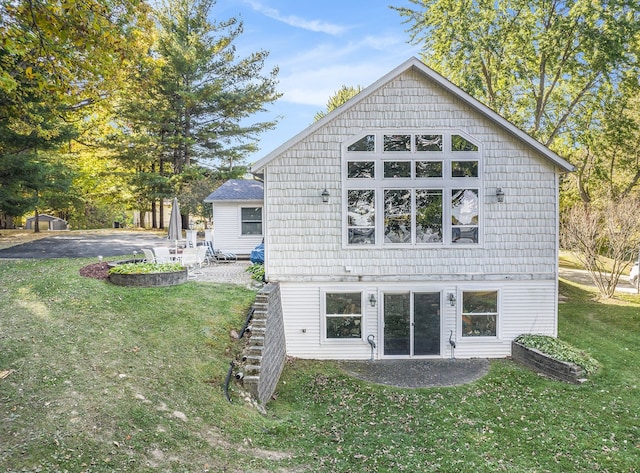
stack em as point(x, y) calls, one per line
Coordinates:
point(147, 277)
point(547, 365)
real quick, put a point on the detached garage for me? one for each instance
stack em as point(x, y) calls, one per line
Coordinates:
point(47, 222)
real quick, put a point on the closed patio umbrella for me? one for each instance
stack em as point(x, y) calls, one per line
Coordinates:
point(175, 222)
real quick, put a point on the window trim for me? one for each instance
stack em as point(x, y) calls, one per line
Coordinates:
point(243, 221)
point(459, 314)
point(323, 314)
point(380, 184)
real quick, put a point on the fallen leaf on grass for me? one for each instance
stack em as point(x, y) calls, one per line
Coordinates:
point(5, 373)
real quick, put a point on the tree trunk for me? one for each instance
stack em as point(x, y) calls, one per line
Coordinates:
point(36, 222)
point(154, 217)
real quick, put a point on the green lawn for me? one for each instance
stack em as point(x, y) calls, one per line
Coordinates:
point(106, 378)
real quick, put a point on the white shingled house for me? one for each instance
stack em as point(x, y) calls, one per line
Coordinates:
point(412, 215)
point(237, 215)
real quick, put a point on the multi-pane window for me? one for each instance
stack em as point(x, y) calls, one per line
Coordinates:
point(479, 313)
point(361, 216)
point(251, 220)
point(412, 189)
point(343, 315)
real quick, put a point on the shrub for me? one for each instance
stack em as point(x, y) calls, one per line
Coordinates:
point(257, 271)
point(560, 350)
point(145, 268)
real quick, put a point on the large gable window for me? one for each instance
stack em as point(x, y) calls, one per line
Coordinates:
point(412, 189)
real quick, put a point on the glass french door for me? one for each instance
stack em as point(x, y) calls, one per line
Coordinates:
point(411, 323)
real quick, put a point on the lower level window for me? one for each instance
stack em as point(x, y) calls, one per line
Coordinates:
point(479, 313)
point(343, 314)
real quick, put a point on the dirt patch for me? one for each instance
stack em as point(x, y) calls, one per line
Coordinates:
point(96, 271)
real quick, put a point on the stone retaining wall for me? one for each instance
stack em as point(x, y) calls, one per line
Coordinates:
point(542, 363)
point(266, 349)
point(149, 279)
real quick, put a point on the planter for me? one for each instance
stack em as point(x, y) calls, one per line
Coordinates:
point(546, 365)
point(149, 279)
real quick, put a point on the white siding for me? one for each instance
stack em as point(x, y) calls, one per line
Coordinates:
point(227, 228)
point(524, 307)
point(306, 236)
point(306, 253)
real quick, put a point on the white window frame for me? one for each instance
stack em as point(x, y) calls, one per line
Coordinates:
point(324, 315)
point(446, 184)
point(242, 221)
point(460, 313)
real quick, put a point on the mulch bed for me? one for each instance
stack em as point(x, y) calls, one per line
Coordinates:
point(96, 271)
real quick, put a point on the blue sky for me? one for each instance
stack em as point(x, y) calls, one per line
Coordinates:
point(318, 46)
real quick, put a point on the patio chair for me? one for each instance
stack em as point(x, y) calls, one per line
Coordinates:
point(220, 256)
point(148, 255)
point(163, 255)
point(202, 257)
point(190, 261)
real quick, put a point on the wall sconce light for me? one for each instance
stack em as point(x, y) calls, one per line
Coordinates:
point(500, 194)
point(452, 299)
point(325, 196)
point(372, 300)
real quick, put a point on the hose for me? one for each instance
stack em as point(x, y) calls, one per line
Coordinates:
point(226, 381)
point(246, 322)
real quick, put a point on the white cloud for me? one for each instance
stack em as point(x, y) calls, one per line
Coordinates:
point(318, 26)
point(314, 75)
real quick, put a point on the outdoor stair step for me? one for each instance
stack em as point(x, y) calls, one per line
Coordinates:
point(258, 331)
point(251, 379)
point(252, 369)
point(255, 350)
point(254, 359)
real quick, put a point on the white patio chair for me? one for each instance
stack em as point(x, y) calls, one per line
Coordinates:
point(190, 261)
point(148, 255)
point(201, 252)
point(163, 255)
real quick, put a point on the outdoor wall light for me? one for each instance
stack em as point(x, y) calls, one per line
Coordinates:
point(452, 299)
point(372, 300)
point(500, 194)
point(325, 196)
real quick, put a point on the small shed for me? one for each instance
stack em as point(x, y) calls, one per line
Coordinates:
point(237, 215)
point(47, 222)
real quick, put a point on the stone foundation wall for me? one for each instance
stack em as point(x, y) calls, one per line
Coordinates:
point(266, 349)
point(538, 361)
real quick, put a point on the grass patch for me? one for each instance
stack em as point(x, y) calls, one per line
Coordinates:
point(108, 378)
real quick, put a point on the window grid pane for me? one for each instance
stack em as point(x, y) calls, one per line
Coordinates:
point(361, 214)
point(361, 169)
point(251, 223)
point(343, 314)
point(396, 169)
point(397, 142)
point(429, 216)
point(428, 142)
point(479, 314)
point(397, 216)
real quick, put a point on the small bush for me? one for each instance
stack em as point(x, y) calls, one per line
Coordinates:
point(145, 268)
point(257, 271)
point(560, 350)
